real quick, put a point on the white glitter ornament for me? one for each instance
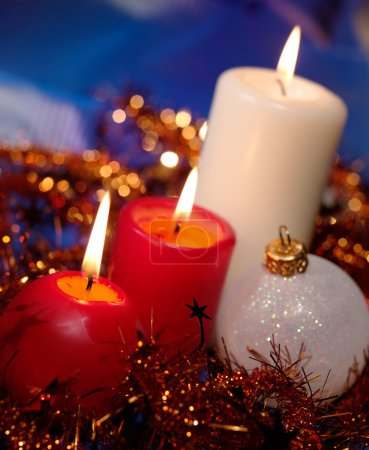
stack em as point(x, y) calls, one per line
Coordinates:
point(322, 308)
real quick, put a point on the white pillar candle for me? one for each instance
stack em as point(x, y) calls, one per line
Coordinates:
point(267, 156)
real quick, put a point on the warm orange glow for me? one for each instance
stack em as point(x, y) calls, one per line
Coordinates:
point(185, 202)
point(92, 260)
point(75, 286)
point(192, 234)
point(287, 61)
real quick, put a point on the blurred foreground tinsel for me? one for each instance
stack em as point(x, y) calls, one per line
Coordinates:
point(47, 204)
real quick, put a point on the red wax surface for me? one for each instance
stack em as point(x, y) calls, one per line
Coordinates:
point(46, 334)
point(163, 277)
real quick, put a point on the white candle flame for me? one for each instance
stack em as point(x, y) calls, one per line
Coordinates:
point(187, 198)
point(287, 62)
point(92, 260)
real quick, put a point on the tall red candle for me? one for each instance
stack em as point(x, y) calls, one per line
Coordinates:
point(163, 269)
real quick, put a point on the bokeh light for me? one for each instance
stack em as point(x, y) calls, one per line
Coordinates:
point(169, 159)
point(119, 116)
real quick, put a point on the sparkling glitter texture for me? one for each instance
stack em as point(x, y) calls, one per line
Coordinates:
point(322, 309)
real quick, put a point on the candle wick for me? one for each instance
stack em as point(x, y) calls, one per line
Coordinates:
point(282, 86)
point(89, 282)
point(178, 227)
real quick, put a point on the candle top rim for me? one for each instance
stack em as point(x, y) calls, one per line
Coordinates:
point(227, 232)
point(263, 86)
point(119, 294)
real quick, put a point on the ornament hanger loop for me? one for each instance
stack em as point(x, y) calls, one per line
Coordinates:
point(285, 256)
point(285, 237)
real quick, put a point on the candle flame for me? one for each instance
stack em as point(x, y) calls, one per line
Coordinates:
point(187, 198)
point(203, 131)
point(92, 260)
point(287, 62)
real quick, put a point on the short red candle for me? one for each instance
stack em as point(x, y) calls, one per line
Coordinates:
point(163, 271)
point(56, 330)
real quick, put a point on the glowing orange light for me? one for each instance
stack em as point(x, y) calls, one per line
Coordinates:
point(92, 260)
point(287, 62)
point(185, 202)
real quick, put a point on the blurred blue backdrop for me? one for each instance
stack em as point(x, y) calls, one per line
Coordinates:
point(57, 58)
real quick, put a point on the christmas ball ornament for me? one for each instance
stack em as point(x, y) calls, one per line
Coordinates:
point(298, 302)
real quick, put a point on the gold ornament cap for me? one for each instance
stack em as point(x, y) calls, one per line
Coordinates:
point(285, 256)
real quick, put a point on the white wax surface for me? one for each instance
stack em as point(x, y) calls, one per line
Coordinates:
point(266, 157)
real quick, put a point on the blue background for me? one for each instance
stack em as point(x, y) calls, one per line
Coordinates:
point(64, 52)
